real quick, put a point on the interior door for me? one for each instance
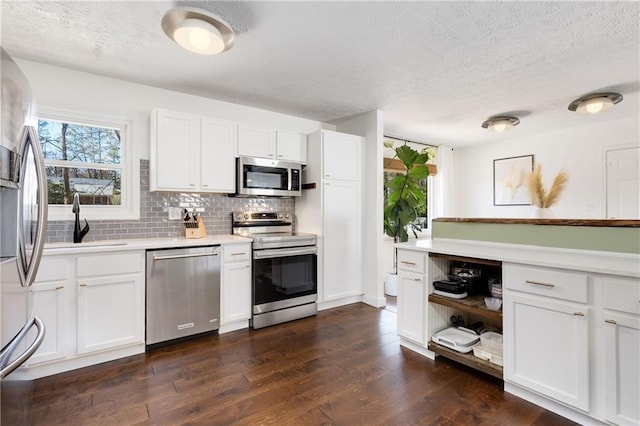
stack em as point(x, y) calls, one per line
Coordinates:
point(623, 183)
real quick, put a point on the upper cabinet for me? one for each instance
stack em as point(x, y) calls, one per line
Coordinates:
point(191, 153)
point(265, 142)
point(341, 156)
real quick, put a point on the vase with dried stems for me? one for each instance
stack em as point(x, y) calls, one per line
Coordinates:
point(542, 199)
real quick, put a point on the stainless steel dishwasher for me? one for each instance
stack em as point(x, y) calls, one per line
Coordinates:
point(183, 293)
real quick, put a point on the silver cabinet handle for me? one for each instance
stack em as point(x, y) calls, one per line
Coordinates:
point(238, 254)
point(540, 283)
point(181, 256)
point(610, 321)
point(416, 279)
point(192, 184)
point(240, 267)
point(408, 263)
point(84, 285)
point(60, 288)
point(578, 314)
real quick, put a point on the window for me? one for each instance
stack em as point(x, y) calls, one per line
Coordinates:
point(421, 210)
point(90, 156)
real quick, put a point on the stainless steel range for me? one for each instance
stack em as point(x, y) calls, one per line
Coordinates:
point(285, 283)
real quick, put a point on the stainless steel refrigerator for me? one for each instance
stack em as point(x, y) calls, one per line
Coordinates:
point(23, 218)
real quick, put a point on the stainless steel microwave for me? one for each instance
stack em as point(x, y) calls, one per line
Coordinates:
point(261, 176)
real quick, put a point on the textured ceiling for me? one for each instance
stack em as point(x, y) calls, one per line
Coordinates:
point(436, 69)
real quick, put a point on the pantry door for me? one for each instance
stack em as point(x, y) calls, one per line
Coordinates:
point(623, 183)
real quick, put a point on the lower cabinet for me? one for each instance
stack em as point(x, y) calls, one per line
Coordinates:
point(235, 291)
point(90, 304)
point(109, 312)
point(547, 347)
point(411, 306)
point(622, 368)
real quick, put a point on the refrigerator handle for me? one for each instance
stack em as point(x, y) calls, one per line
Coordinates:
point(41, 227)
point(7, 368)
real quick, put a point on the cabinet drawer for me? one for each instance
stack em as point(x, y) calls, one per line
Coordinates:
point(110, 264)
point(53, 269)
point(621, 294)
point(556, 283)
point(236, 253)
point(409, 260)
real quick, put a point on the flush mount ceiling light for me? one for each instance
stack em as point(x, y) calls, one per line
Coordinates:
point(595, 102)
point(197, 30)
point(500, 123)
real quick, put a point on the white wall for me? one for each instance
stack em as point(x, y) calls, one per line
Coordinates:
point(370, 125)
point(579, 151)
point(73, 90)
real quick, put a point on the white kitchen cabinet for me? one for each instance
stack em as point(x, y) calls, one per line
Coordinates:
point(341, 156)
point(265, 142)
point(546, 338)
point(411, 304)
point(256, 141)
point(191, 153)
point(333, 211)
point(621, 328)
point(110, 304)
point(50, 296)
point(235, 292)
point(342, 240)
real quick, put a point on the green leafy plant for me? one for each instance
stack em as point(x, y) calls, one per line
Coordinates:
point(404, 194)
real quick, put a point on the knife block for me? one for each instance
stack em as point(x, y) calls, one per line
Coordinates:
point(197, 232)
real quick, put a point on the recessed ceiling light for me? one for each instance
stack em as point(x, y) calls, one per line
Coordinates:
point(197, 30)
point(500, 123)
point(595, 102)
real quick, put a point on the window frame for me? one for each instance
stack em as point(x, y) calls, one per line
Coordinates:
point(129, 208)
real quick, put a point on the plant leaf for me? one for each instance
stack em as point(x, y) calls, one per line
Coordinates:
point(419, 172)
point(407, 155)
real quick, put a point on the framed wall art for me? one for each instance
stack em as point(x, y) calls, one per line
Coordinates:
point(510, 181)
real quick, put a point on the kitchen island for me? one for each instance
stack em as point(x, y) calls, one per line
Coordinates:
point(571, 307)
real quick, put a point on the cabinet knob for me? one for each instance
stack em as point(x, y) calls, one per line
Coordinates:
point(192, 184)
point(280, 156)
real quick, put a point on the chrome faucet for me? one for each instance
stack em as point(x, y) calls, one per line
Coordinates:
point(78, 234)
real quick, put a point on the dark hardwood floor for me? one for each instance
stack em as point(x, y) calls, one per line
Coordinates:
point(344, 366)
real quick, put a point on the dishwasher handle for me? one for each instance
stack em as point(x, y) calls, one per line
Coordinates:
point(183, 256)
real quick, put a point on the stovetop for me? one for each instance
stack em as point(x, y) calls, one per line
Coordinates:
point(270, 229)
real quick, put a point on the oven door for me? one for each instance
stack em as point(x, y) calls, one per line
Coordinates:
point(284, 277)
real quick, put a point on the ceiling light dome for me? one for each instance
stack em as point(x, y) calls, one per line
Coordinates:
point(197, 31)
point(595, 102)
point(500, 123)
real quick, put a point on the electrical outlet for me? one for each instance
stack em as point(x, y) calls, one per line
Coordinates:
point(175, 213)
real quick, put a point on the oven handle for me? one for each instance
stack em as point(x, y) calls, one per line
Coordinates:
point(267, 254)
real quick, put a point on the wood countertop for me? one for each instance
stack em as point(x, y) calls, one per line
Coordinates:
point(614, 223)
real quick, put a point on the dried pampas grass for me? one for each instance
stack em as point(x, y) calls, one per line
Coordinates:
point(539, 196)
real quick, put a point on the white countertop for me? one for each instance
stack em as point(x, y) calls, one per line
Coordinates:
point(625, 264)
point(140, 244)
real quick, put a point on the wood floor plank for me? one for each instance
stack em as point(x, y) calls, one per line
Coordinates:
point(344, 366)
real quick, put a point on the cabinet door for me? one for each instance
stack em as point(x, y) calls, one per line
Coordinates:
point(256, 141)
point(341, 156)
point(217, 156)
point(341, 242)
point(174, 152)
point(236, 292)
point(291, 146)
point(49, 301)
point(412, 297)
point(110, 312)
point(622, 368)
point(546, 345)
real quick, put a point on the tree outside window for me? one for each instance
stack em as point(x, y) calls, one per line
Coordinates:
point(84, 159)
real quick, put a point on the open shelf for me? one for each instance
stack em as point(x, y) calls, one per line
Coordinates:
point(468, 259)
point(471, 304)
point(467, 359)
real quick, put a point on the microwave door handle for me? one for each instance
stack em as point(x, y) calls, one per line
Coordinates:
point(289, 173)
point(41, 226)
point(7, 368)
